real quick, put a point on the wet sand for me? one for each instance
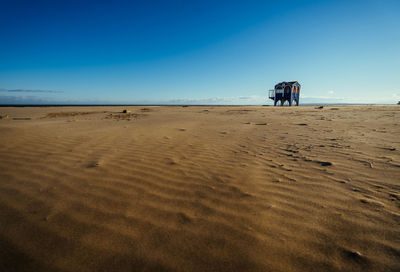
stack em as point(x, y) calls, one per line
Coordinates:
point(200, 188)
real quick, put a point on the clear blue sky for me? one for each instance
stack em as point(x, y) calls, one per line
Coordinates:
point(204, 52)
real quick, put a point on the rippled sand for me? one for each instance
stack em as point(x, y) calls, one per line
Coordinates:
point(200, 189)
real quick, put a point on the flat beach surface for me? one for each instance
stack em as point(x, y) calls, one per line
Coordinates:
point(200, 188)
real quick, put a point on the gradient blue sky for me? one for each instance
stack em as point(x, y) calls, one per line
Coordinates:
point(204, 52)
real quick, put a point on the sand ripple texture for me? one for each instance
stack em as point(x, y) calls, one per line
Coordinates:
point(200, 189)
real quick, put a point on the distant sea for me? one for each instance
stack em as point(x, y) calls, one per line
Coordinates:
point(174, 105)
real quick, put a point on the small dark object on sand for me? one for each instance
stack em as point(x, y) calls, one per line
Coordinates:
point(126, 111)
point(22, 118)
point(320, 107)
point(355, 256)
point(325, 163)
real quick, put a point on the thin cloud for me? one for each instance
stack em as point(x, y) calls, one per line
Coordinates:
point(29, 91)
point(212, 100)
point(24, 99)
point(320, 97)
point(236, 100)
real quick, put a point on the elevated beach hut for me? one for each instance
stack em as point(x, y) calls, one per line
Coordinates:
point(286, 91)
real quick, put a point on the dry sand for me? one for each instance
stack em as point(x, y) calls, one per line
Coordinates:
point(200, 189)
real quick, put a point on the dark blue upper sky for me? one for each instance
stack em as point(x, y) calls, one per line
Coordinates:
point(227, 52)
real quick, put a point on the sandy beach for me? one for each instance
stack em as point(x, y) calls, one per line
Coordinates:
point(200, 188)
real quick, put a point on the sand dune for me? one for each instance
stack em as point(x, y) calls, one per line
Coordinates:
point(200, 189)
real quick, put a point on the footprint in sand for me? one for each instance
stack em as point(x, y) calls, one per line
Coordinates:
point(171, 161)
point(183, 218)
point(322, 163)
point(93, 164)
point(394, 196)
point(389, 148)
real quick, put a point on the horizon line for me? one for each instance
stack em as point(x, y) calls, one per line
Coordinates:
point(194, 105)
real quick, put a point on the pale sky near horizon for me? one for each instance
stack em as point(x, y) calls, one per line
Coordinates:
point(198, 52)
